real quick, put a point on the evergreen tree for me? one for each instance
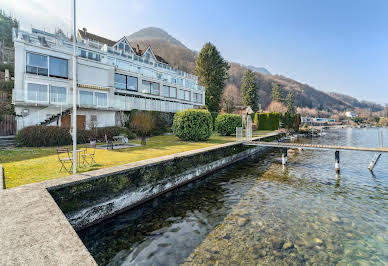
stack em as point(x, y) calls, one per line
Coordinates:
point(277, 93)
point(212, 72)
point(290, 102)
point(249, 90)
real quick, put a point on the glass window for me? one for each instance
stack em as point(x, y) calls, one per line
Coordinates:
point(199, 98)
point(58, 67)
point(181, 94)
point(37, 64)
point(131, 83)
point(120, 82)
point(165, 91)
point(146, 86)
point(155, 88)
point(37, 92)
point(57, 94)
point(172, 92)
point(187, 96)
point(86, 97)
point(101, 99)
point(83, 54)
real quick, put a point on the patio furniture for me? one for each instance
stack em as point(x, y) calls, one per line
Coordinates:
point(89, 152)
point(109, 143)
point(65, 157)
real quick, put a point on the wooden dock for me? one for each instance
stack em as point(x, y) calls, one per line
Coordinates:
point(316, 146)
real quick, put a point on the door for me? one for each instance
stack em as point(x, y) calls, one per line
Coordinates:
point(81, 121)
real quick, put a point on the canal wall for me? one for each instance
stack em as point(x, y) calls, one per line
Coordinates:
point(114, 190)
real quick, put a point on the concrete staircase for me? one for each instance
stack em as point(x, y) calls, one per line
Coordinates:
point(7, 142)
point(56, 117)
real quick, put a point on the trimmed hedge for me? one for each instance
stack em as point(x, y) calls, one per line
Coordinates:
point(45, 136)
point(193, 124)
point(226, 124)
point(267, 121)
point(214, 117)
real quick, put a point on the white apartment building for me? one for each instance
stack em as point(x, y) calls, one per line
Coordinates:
point(112, 77)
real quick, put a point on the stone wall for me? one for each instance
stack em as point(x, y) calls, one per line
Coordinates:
point(91, 200)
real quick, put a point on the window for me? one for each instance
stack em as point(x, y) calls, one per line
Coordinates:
point(146, 86)
point(131, 83)
point(125, 82)
point(86, 97)
point(181, 94)
point(58, 67)
point(101, 99)
point(165, 91)
point(57, 94)
point(155, 88)
point(37, 92)
point(37, 64)
point(187, 96)
point(172, 92)
point(120, 81)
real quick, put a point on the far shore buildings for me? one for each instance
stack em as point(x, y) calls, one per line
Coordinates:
point(112, 77)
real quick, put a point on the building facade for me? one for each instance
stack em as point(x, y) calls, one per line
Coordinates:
point(112, 77)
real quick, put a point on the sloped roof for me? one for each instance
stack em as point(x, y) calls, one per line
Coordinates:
point(140, 48)
point(87, 35)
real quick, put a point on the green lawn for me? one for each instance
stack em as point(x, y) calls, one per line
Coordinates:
point(30, 165)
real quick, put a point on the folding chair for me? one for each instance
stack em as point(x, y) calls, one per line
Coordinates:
point(90, 151)
point(63, 158)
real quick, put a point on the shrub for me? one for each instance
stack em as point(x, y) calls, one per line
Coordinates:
point(142, 123)
point(226, 124)
point(267, 121)
point(163, 121)
point(41, 136)
point(193, 124)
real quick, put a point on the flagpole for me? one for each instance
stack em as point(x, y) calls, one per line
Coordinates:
point(74, 115)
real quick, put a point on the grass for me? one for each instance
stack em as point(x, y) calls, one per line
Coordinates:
point(31, 165)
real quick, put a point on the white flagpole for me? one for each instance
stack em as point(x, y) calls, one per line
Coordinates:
point(74, 115)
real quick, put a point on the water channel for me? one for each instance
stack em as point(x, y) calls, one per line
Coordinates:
point(258, 212)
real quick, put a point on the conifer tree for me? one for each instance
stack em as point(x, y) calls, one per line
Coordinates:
point(212, 72)
point(277, 93)
point(290, 102)
point(249, 90)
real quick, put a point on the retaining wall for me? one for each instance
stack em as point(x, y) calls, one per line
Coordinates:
point(91, 200)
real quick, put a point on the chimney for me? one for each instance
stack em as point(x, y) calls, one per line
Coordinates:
point(84, 29)
point(138, 48)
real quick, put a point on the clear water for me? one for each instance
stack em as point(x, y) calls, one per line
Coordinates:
point(258, 212)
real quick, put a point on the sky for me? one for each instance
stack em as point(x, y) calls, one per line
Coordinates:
point(339, 45)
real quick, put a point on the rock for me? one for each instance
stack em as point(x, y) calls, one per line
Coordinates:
point(335, 219)
point(276, 243)
point(241, 221)
point(318, 241)
point(287, 245)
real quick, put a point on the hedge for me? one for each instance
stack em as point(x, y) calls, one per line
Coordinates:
point(45, 136)
point(267, 121)
point(214, 117)
point(193, 124)
point(226, 124)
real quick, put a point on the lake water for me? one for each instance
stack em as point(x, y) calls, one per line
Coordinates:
point(259, 212)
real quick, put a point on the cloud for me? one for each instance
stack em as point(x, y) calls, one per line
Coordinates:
point(40, 14)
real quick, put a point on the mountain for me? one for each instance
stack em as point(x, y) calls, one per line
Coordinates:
point(261, 70)
point(153, 33)
point(179, 56)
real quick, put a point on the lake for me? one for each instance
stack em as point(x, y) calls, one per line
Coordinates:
point(259, 212)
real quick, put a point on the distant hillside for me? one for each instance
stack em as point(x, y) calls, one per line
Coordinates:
point(356, 103)
point(153, 33)
point(183, 58)
point(261, 70)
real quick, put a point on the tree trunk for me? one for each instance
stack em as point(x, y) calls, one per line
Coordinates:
point(143, 140)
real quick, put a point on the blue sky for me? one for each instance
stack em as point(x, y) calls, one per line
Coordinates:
point(332, 45)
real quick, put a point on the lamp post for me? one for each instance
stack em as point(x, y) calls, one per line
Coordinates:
point(74, 116)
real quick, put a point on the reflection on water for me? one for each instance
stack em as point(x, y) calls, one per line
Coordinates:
point(261, 213)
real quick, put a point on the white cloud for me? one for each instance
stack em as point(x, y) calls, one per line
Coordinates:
point(42, 14)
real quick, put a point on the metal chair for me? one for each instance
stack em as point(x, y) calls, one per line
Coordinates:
point(90, 152)
point(64, 157)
